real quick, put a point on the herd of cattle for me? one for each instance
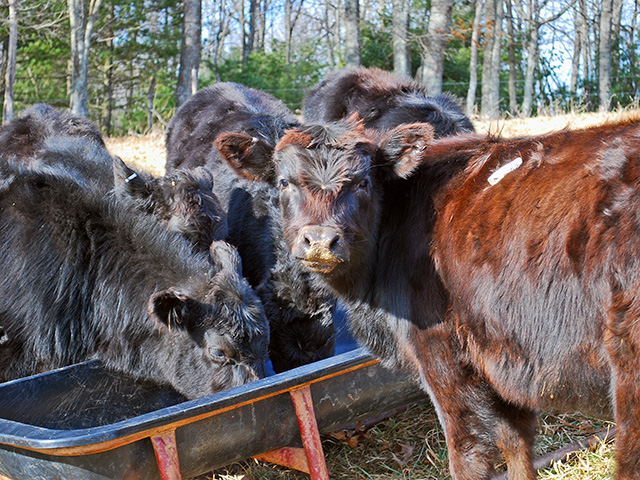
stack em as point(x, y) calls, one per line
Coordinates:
point(503, 273)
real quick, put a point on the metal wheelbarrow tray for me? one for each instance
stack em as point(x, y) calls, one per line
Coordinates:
point(86, 423)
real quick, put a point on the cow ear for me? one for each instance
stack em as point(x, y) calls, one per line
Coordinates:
point(225, 257)
point(401, 149)
point(172, 308)
point(205, 176)
point(249, 156)
point(127, 181)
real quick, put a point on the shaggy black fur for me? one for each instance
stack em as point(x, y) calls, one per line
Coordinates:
point(184, 200)
point(301, 317)
point(86, 276)
point(383, 100)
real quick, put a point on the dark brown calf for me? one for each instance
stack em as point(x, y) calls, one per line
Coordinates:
point(537, 241)
point(502, 272)
point(383, 100)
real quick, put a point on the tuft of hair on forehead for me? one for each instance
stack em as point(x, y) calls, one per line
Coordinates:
point(338, 134)
point(326, 173)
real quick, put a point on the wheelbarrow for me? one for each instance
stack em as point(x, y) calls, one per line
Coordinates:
point(85, 422)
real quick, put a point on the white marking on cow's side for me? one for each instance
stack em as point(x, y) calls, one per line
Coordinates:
point(504, 170)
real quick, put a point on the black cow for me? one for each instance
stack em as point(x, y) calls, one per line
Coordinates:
point(88, 276)
point(252, 121)
point(25, 135)
point(502, 272)
point(384, 101)
point(221, 108)
point(183, 201)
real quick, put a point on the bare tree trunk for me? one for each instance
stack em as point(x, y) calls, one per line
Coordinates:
point(291, 16)
point(352, 42)
point(82, 18)
point(575, 60)
point(616, 17)
point(151, 93)
point(253, 23)
point(242, 20)
point(631, 43)
point(107, 72)
point(616, 42)
point(10, 76)
point(434, 45)
point(496, 61)
point(401, 51)
point(473, 62)
point(4, 61)
point(585, 50)
point(491, 62)
point(331, 28)
point(262, 25)
point(190, 51)
point(224, 19)
point(604, 56)
point(533, 21)
point(532, 63)
point(511, 48)
point(288, 30)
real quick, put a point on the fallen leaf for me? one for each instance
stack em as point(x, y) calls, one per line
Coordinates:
point(405, 454)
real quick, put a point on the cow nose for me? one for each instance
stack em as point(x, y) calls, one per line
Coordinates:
point(326, 239)
point(321, 249)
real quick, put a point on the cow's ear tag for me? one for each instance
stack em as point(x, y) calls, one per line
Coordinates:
point(126, 180)
point(504, 170)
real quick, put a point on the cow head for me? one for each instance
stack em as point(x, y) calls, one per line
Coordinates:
point(383, 100)
point(220, 335)
point(331, 180)
point(183, 200)
point(442, 112)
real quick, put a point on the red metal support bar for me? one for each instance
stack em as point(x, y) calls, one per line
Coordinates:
point(303, 404)
point(166, 450)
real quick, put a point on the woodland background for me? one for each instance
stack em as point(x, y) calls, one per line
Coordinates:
point(127, 64)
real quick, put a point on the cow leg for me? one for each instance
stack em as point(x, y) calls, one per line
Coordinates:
point(627, 432)
point(622, 338)
point(516, 431)
point(627, 412)
point(477, 422)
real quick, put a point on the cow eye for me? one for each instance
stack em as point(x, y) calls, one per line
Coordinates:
point(218, 355)
point(283, 184)
point(364, 183)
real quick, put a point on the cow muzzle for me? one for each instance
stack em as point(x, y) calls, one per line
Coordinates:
point(320, 249)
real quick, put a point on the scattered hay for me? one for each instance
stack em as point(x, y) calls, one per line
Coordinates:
point(411, 445)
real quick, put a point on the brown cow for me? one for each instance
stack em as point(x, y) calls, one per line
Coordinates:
point(502, 272)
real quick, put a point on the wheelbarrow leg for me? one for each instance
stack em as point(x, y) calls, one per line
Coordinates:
point(167, 455)
point(303, 404)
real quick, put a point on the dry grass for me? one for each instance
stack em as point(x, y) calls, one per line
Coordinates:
point(147, 151)
point(411, 445)
point(144, 151)
point(538, 125)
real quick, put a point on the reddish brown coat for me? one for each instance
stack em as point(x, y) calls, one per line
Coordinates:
point(503, 298)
